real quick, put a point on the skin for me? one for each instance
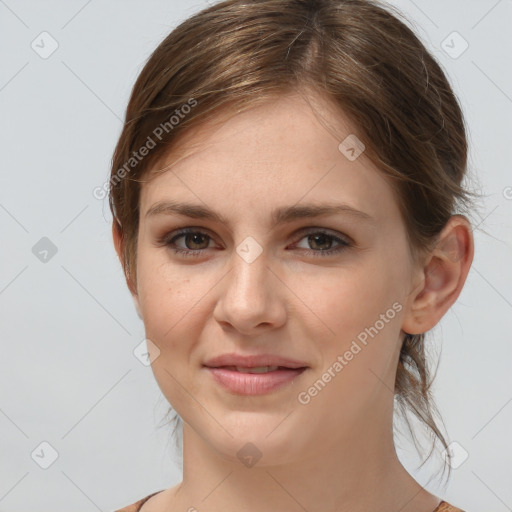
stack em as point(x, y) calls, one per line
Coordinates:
point(335, 453)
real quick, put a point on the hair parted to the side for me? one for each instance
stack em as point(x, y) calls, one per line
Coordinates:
point(359, 55)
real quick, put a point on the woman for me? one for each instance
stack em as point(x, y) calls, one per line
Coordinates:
point(287, 207)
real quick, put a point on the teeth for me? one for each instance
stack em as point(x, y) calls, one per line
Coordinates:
point(257, 369)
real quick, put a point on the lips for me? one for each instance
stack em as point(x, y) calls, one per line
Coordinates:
point(254, 374)
point(256, 369)
point(234, 361)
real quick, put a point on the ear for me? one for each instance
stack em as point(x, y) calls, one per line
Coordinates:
point(442, 276)
point(118, 238)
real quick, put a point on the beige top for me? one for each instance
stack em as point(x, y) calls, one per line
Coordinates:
point(135, 507)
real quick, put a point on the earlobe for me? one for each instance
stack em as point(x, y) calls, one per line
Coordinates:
point(443, 277)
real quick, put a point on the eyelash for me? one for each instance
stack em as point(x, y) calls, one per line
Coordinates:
point(198, 252)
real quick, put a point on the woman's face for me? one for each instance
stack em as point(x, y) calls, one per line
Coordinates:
point(329, 292)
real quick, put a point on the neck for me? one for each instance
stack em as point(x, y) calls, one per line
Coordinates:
point(356, 472)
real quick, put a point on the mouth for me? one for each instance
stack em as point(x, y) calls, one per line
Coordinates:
point(257, 380)
point(256, 369)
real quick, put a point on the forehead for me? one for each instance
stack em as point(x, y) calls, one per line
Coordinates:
point(283, 151)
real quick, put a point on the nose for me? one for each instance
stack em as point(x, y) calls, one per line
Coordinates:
point(251, 296)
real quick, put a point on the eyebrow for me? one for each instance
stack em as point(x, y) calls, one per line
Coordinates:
point(280, 215)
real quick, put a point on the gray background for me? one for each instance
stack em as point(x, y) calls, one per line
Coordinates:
point(68, 328)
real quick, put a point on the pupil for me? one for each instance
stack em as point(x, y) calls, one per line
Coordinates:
point(321, 237)
point(194, 236)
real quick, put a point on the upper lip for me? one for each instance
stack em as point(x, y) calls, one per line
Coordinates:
point(252, 361)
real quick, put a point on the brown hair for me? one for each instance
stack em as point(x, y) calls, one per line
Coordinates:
point(356, 53)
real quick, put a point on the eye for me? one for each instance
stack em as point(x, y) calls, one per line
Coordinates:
point(192, 239)
point(196, 242)
point(320, 239)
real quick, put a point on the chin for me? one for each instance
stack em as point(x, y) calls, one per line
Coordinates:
point(258, 445)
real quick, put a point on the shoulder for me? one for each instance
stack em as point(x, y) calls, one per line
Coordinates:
point(135, 507)
point(446, 507)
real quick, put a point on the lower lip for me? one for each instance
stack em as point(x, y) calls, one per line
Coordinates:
point(253, 383)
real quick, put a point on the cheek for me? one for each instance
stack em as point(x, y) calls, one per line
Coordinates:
point(363, 314)
point(170, 313)
point(165, 298)
point(360, 309)
point(347, 298)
